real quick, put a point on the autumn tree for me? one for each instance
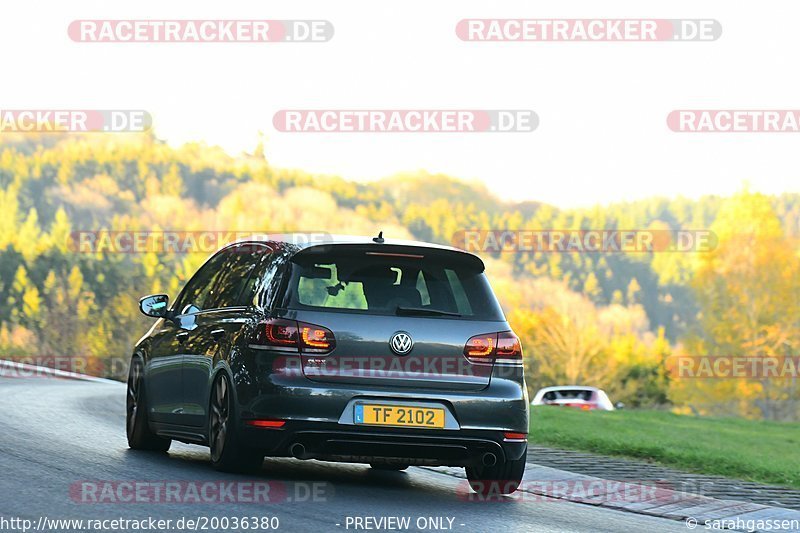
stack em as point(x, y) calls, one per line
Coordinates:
point(748, 289)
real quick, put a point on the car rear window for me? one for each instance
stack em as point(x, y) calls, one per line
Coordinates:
point(570, 394)
point(431, 283)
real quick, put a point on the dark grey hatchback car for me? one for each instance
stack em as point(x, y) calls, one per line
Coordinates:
point(392, 353)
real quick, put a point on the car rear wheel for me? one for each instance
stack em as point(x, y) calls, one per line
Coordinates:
point(140, 436)
point(501, 478)
point(227, 452)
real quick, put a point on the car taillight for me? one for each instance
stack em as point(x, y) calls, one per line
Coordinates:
point(315, 339)
point(480, 348)
point(509, 349)
point(292, 336)
point(278, 334)
point(501, 348)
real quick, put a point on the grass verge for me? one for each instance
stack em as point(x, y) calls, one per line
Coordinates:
point(767, 452)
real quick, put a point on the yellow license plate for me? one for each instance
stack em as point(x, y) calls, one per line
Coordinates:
point(396, 415)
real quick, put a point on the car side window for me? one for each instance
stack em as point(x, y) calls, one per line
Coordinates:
point(265, 280)
point(235, 276)
point(247, 296)
point(195, 295)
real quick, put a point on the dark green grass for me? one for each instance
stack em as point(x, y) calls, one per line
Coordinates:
point(767, 452)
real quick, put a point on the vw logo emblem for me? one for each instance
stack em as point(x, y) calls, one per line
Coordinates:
point(401, 343)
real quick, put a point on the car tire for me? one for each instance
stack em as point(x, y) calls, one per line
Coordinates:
point(137, 424)
point(502, 478)
point(392, 467)
point(227, 452)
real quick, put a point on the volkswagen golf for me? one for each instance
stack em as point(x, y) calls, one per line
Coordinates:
point(356, 349)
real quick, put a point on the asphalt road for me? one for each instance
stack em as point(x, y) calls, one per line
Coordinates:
point(62, 446)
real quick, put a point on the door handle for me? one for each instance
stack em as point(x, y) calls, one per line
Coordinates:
point(182, 336)
point(218, 333)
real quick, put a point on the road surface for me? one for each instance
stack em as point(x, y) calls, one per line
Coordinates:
point(63, 455)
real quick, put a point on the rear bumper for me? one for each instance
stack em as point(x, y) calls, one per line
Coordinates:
point(332, 442)
point(320, 417)
point(503, 406)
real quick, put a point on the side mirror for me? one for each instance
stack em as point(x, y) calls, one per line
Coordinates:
point(619, 405)
point(154, 305)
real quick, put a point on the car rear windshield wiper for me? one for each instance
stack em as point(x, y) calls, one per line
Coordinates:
point(423, 311)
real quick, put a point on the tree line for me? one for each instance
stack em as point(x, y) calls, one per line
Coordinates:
point(612, 319)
